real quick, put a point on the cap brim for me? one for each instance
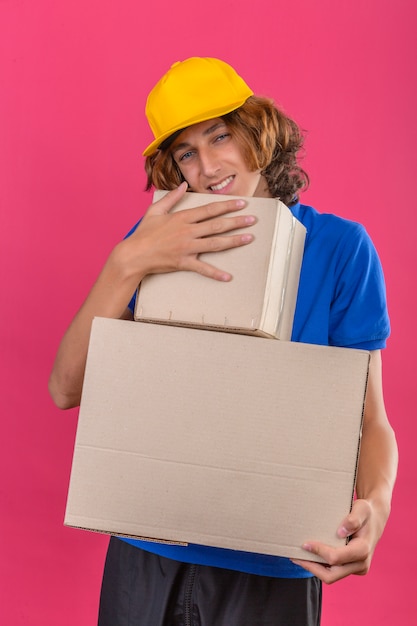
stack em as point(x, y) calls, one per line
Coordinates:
point(153, 147)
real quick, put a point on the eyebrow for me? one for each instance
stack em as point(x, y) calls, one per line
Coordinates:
point(208, 131)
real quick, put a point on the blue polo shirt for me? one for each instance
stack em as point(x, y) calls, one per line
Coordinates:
point(341, 302)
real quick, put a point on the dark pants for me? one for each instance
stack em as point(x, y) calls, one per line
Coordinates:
point(143, 589)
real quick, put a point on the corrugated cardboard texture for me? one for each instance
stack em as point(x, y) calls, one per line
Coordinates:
point(214, 438)
point(261, 297)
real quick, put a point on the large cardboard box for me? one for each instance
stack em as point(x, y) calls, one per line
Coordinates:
point(261, 297)
point(219, 439)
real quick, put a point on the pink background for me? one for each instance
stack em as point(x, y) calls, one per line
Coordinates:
point(74, 77)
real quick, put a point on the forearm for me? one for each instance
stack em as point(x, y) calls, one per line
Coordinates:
point(377, 468)
point(379, 454)
point(109, 297)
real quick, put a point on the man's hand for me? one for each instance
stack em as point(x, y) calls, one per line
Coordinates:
point(167, 242)
point(362, 526)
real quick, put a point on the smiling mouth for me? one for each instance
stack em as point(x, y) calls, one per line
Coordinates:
point(222, 185)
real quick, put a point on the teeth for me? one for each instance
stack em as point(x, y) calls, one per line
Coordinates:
point(221, 185)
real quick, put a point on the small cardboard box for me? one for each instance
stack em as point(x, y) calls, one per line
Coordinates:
point(219, 439)
point(261, 297)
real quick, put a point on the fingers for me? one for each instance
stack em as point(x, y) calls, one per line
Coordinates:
point(221, 225)
point(198, 214)
point(357, 518)
point(329, 574)
point(354, 551)
point(214, 244)
point(174, 240)
point(213, 209)
point(208, 222)
point(354, 558)
point(165, 204)
point(339, 563)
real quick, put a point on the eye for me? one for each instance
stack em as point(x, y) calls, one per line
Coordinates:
point(221, 137)
point(186, 156)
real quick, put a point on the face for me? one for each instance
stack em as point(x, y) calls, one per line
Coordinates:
point(211, 161)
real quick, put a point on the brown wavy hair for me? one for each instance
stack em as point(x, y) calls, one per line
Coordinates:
point(270, 141)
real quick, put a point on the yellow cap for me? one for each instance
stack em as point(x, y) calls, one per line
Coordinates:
point(192, 91)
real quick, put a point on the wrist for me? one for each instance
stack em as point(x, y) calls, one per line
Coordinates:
point(125, 266)
point(380, 510)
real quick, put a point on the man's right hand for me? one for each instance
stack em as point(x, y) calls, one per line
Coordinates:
point(169, 241)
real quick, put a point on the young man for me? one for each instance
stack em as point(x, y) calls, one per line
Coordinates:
point(213, 135)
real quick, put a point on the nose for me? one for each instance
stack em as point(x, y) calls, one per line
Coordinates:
point(209, 163)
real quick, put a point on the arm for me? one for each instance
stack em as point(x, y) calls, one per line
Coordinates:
point(164, 242)
point(375, 482)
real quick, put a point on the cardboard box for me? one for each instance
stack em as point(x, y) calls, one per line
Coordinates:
point(261, 297)
point(215, 438)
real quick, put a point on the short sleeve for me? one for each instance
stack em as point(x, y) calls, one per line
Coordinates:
point(358, 313)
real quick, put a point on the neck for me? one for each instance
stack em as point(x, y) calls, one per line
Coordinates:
point(262, 190)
